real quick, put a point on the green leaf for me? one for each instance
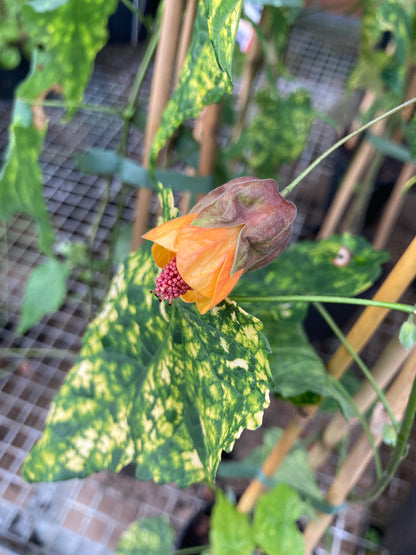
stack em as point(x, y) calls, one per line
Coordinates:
point(45, 292)
point(160, 386)
point(385, 69)
point(274, 523)
point(295, 366)
point(150, 536)
point(21, 189)
point(390, 148)
point(279, 131)
point(230, 531)
point(407, 334)
point(340, 265)
point(223, 18)
point(70, 35)
point(107, 162)
point(202, 82)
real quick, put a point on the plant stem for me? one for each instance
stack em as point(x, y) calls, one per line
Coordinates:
point(398, 453)
point(339, 143)
point(365, 426)
point(141, 72)
point(74, 105)
point(334, 327)
point(409, 309)
point(33, 352)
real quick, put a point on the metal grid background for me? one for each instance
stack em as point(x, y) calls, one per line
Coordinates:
point(89, 515)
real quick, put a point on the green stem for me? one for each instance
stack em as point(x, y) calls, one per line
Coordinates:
point(122, 149)
point(322, 299)
point(32, 352)
point(398, 454)
point(339, 143)
point(74, 105)
point(141, 73)
point(365, 426)
point(334, 327)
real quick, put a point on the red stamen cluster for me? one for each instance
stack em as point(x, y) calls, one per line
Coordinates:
point(169, 284)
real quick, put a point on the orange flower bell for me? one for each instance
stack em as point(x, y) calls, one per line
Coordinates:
point(240, 226)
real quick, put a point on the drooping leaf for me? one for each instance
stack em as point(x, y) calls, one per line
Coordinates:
point(278, 132)
point(202, 82)
point(70, 35)
point(340, 265)
point(45, 292)
point(230, 530)
point(391, 149)
point(274, 523)
point(150, 536)
point(223, 17)
point(160, 386)
point(107, 162)
point(295, 366)
point(21, 177)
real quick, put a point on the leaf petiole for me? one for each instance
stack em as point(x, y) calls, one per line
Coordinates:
point(409, 309)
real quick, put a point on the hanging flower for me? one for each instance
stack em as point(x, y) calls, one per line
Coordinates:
point(238, 227)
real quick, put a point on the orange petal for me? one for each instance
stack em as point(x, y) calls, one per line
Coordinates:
point(201, 253)
point(161, 255)
point(224, 284)
point(165, 234)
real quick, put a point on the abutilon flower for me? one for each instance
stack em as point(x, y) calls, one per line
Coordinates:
point(238, 227)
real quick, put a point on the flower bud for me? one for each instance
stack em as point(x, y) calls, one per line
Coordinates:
point(238, 227)
point(257, 204)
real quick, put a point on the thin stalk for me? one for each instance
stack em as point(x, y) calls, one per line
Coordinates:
point(74, 105)
point(334, 327)
point(122, 149)
point(144, 20)
point(91, 236)
point(33, 352)
point(365, 426)
point(409, 309)
point(339, 143)
point(398, 453)
point(141, 72)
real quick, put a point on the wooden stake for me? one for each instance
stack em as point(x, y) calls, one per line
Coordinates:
point(361, 455)
point(186, 36)
point(392, 289)
point(161, 85)
point(392, 210)
point(385, 368)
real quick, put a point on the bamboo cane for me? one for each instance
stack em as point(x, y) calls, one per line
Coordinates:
point(160, 90)
point(250, 70)
point(391, 290)
point(361, 455)
point(365, 105)
point(186, 36)
point(385, 368)
point(393, 207)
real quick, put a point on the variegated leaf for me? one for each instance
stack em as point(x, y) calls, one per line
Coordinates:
point(160, 386)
